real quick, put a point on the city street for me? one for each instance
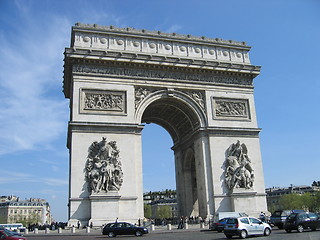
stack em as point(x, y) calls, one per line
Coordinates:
point(181, 235)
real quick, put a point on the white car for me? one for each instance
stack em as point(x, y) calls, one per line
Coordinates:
point(246, 226)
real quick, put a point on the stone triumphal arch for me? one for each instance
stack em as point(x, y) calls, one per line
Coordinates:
point(199, 89)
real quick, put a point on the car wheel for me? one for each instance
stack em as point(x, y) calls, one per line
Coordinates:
point(300, 228)
point(267, 232)
point(243, 234)
point(288, 230)
point(229, 236)
point(280, 226)
point(111, 234)
point(313, 229)
point(138, 233)
point(219, 230)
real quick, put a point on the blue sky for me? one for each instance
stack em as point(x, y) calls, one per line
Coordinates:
point(285, 38)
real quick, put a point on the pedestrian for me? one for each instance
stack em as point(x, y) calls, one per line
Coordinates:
point(262, 217)
point(78, 224)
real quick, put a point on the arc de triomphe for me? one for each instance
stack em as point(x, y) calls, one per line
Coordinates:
point(199, 89)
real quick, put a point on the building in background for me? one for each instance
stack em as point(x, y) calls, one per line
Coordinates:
point(160, 200)
point(274, 194)
point(28, 211)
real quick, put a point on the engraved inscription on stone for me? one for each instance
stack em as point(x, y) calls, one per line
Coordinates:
point(102, 101)
point(224, 108)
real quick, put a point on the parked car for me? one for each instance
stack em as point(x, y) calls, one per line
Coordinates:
point(7, 235)
point(279, 217)
point(123, 228)
point(219, 225)
point(301, 221)
point(246, 226)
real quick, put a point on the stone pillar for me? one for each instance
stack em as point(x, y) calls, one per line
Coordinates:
point(59, 230)
point(88, 229)
point(47, 230)
point(36, 231)
point(73, 229)
point(152, 227)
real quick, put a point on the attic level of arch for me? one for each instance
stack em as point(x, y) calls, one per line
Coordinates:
point(222, 75)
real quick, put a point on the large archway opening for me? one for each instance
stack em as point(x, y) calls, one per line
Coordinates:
point(180, 123)
point(158, 159)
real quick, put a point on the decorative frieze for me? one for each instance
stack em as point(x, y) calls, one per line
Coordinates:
point(162, 74)
point(129, 39)
point(225, 108)
point(102, 101)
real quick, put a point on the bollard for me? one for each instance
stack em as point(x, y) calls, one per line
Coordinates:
point(36, 231)
point(169, 226)
point(59, 230)
point(47, 230)
point(152, 227)
point(26, 231)
point(201, 225)
point(186, 226)
point(73, 230)
point(88, 229)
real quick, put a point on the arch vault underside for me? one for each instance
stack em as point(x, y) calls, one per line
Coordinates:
point(199, 89)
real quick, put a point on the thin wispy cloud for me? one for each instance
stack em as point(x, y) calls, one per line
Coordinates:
point(33, 114)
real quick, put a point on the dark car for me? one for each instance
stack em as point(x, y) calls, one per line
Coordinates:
point(123, 228)
point(219, 226)
point(279, 217)
point(301, 221)
point(7, 235)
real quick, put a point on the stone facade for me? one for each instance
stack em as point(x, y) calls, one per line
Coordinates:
point(32, 210)
point(199, 89)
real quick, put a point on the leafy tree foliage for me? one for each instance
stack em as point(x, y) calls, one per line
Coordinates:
point(308, 201)
point(147, 211)
point(164, 212)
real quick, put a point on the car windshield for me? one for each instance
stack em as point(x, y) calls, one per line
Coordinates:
point(276, 214)
point(8, 233)
point(232, 221)
point(292, 216)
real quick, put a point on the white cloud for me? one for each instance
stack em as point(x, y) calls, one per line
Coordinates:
point(173, 28)
point(55, 182)
point(32, 113)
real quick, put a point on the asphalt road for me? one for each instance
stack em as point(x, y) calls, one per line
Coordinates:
point(180, 235)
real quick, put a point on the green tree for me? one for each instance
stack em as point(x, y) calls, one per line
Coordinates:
point(163, 212)
point(291, 201)
point(147, 211)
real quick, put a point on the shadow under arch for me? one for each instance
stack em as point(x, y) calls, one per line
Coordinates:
point(175, 111)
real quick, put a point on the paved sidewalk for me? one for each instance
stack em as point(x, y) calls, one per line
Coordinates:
point(98, 231)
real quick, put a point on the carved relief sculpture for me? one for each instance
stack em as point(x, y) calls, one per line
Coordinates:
point(103, 167)
point(231, 109)
point(198, 97)
point(140, 94)
point(103, 101)
point(238, 172)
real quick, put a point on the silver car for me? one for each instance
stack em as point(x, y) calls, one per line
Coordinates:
point(245, 226)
